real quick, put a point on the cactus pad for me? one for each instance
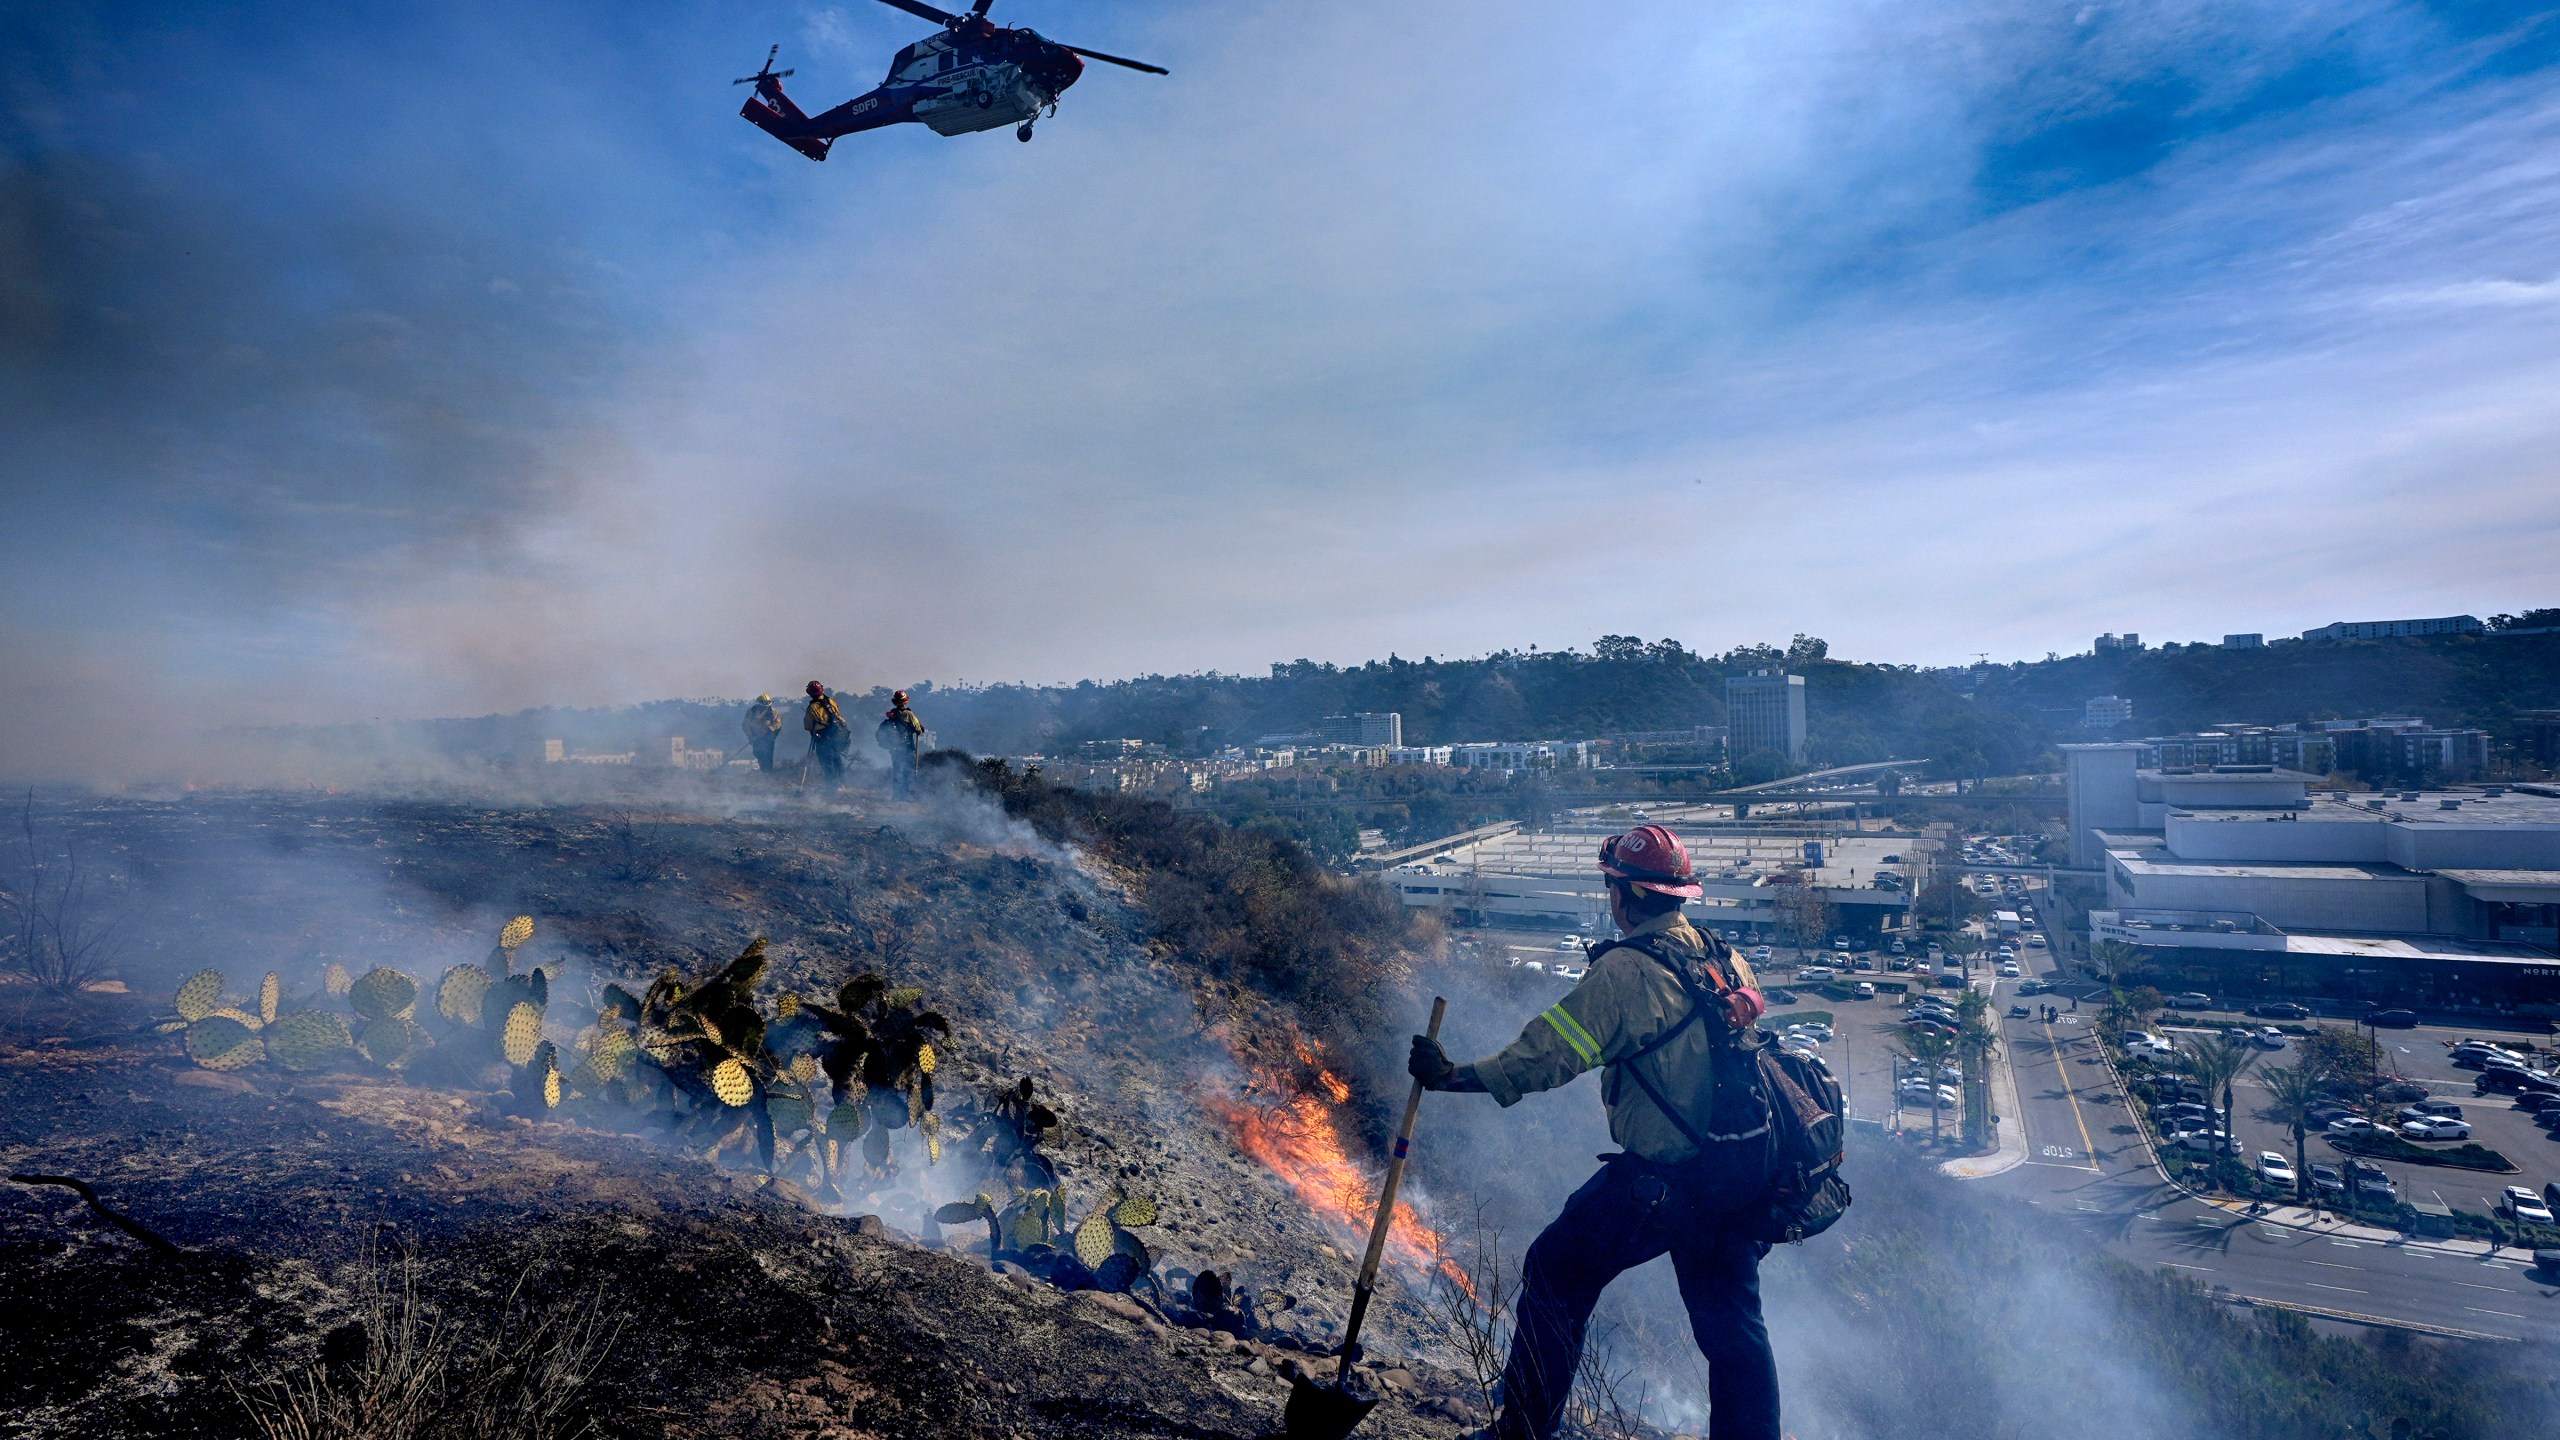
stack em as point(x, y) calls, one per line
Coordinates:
point(389, 1040)
point(383, 994)
point(335, 979)
point(1031, 1227)
point(663, 1045)
point(198, 997)
point(523, 1031)
point(875, 1148)
point(789, 1113)
point(1135, 1210)
point(307, 1038)
point(270, 995)
point(846, 1121)
point(518, 931)
point(610, 1054)
point(730, 1081)
point(459, 997)
point(804, 1068)
point(218, 1042)
point(925, 1059)
point(234, 1012)
point(961, 1212)
point(551, 1089)
point(786, 1007)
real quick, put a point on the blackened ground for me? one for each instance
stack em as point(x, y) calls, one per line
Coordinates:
point(741, 1312)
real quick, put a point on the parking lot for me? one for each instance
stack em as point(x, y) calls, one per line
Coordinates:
point(2423, 1055)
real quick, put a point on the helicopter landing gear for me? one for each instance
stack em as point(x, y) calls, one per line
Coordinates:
point(1022, 132)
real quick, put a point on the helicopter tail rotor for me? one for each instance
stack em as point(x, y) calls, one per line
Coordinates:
point(768, 72)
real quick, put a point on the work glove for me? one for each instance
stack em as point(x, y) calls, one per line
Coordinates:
point(1430, 1064)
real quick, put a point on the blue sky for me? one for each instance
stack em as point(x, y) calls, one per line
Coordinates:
point(395, 360)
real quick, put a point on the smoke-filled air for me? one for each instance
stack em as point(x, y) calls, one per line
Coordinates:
point(1279, 722)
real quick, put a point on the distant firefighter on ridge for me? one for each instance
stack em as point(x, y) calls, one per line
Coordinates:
point(763, 726)
point(901, 734)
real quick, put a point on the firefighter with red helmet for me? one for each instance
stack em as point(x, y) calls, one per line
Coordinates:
point(1662, 1014)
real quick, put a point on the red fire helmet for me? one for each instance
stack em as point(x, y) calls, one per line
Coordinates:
point(1650, 858)
point(897, 697)
point(816, 689)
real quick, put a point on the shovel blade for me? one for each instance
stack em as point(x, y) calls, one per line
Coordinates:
point(1318, 1411)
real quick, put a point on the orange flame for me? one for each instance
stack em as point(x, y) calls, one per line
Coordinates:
point(1297, 1137)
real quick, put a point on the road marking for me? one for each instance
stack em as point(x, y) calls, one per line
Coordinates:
point(2341, 1289)
point(2205, 1268)
point(2332, 1265)
point(2058, 1165)
point(2476, 1310)
point(2473, 1284)
point(2073, 1096)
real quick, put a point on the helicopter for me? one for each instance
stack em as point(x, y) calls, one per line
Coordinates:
point(975, 75)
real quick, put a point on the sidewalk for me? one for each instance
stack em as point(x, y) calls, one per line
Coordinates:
point(2008, 1123)
point(2321, 1222)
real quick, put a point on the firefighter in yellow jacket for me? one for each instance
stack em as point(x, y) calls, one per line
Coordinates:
point(830, 737)
point(1659, 1015)
point(763, 726)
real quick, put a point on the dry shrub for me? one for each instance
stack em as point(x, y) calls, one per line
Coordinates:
point(402, 1371)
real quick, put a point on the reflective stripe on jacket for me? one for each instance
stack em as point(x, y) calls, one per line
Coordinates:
point(1627, 1001)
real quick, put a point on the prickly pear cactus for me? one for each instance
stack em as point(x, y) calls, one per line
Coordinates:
point(199, 995)
point(234, 1012)
point(730, 1081)
point(218, 1042)
point(1134, 1210)
point(847, 1122)
point(389, 1040)
point(522, 1032)
point(335, 979)
point(383, 994)
point(611, 1053)
point(307, 1038)
point(1094, 1239)
point(270, 995)
point(925, 1058)
point(789, 1113)
point(459, 996)
point(517, 931)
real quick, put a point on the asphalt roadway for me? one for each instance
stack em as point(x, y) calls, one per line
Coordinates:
point(2087, 1161)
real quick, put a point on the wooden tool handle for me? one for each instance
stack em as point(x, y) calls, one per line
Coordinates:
point(1386, 1210)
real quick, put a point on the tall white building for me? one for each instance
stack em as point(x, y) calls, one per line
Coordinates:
point(1764, 710)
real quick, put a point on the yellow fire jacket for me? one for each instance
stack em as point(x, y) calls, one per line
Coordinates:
point(1628, 1000)
point(822, 717)
point(761, 721)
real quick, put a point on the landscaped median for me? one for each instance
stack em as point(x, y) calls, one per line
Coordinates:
point(2380, 1145)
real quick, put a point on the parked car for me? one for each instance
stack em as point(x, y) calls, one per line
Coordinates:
point(1779, 995)
point(1814, 1028)
point(2435, 1127)
point(1900, 947)
point(2008, 969)
point(2200, 1141)
point(2033, 986)
point(2189, 1000)
point(2327, 1181)
point(2035, 942)
point(2267, 1037)
point(2445, 1108)
point(2393, 1019)
point(2523, 1205)
point(2279, 1010)
point(1813, 973)
point(1573, 973)
point(1762, 954)
point(2187, 1110)
point(2326, 1111)
point(1866, 990)
point(1929, 1022)
point(2275, 1169)
point(2535, 1102)
point(2370, 1182)
point(2353, 1125)
point(2147, 1046)
point(1950, 982)
point(2020, 1012)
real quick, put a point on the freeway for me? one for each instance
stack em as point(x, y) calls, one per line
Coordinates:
point(2086, 1159)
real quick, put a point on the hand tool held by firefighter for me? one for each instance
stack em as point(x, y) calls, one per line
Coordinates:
point(1318, 1411)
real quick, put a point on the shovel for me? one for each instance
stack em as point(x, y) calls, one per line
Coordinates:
point(1318, 1411)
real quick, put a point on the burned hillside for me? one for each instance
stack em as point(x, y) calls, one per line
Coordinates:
point(1176, 1080)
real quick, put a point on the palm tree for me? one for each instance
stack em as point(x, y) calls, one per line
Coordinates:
point(2214, 1064)
point(2110, 958)
point(1930, 1050)
point(1975, 1041)
point(2297, 1087)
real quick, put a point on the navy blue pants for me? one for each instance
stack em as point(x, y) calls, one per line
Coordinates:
point(1625, 1216)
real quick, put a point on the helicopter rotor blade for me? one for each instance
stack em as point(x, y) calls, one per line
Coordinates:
point(1109, 59)
point(980, 8)
point(923, 11)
